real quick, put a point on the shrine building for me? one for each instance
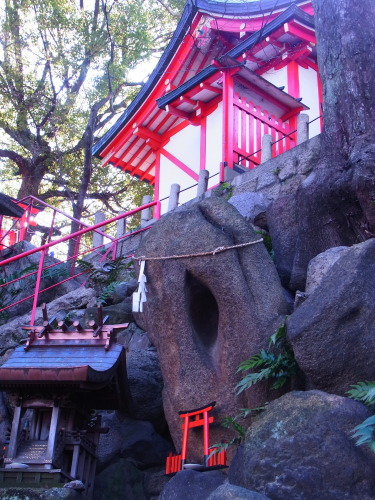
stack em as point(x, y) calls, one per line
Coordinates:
point(232, 73)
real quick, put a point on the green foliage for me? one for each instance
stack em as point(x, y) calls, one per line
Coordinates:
point(364, 392)
point(364, 433)
point(276, 364)
point(107, 278)
point(65, 75)
point(267, 241)
point(232, 423)
point(107, 292)
point(227, 190)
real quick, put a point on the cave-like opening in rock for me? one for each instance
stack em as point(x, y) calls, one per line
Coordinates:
point(203, 311)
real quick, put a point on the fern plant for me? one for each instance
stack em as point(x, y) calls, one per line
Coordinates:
point(277, 363)
point(102, 277)
point(364, 433)
point(107, 292)
point(232, 423)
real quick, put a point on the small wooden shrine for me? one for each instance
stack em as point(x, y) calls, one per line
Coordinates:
point(53, 383)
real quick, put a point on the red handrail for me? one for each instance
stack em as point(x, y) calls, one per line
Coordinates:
point(77, 234)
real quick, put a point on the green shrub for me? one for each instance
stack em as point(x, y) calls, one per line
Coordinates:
point(364, 433)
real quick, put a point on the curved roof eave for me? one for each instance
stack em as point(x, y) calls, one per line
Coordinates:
point(191, 8)
point(184, 23)
point(291, 12)
point(243, 8)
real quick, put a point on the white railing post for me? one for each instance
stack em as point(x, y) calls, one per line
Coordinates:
point(121, 225)
point(97, 239)
point(302, 128)
point(121, 230)
point(266, 148)
point(146, 213)
point(173, 197)
point(202, 182)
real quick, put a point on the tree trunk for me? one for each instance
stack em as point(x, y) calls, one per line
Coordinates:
point(337, 205)
point(32, 176)
point(78, 206)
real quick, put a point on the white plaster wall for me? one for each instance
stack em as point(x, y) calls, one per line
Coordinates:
point(308, 82)
point(278, 77)
point(171, 174)
point(185, 146)
point(214, 144)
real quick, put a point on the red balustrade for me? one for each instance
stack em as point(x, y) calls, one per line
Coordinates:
point(250, 124)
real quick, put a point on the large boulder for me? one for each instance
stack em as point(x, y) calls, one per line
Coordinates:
point(39, 494)
point(230, 492)
point(320, 265)
point(282, 220)
point(192, 484)
point(146, 384)
point(121, 480)
point(250, 204)
point(301, 447)
point(207, 314)
point(117, 313)
point(332, 332)
point(131, 439)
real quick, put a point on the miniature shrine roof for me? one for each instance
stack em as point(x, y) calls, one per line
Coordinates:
point(211, 36)
point(57, 363)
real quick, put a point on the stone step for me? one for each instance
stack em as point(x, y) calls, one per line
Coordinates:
point(31, 450)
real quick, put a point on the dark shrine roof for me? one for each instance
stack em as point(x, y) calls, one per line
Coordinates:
point(90, 374)
point(9, 207)
point(226, 9)
point(54, 363)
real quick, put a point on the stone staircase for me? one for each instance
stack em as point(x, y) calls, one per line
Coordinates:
point(31, 452)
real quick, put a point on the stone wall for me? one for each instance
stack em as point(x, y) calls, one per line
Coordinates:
point(281, 175)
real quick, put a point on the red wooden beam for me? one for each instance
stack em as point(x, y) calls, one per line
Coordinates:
point(300, 31)
point(177, 128)
point(146, 133)
point(187, 100)
point(293, 79)
point(179, 164)
point(145, 157)
point(178, 112)
point(228, 90)
point(262, 93)
point(202, 144)
point(291, 113)
point(274, 42)
point(146, 172)
point(203, 109)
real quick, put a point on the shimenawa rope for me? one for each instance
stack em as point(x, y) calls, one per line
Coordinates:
point(201, 254)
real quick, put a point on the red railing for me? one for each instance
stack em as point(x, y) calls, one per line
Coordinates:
point(108, 252)
point(37, 213)
point(250, 124)
point(173, 464)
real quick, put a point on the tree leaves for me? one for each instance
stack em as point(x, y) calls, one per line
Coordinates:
point(64, 75)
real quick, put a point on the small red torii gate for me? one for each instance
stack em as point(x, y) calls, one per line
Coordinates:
point(196, 418)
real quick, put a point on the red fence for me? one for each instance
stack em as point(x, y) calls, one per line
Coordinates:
point(106, 251)
point(250, 124)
